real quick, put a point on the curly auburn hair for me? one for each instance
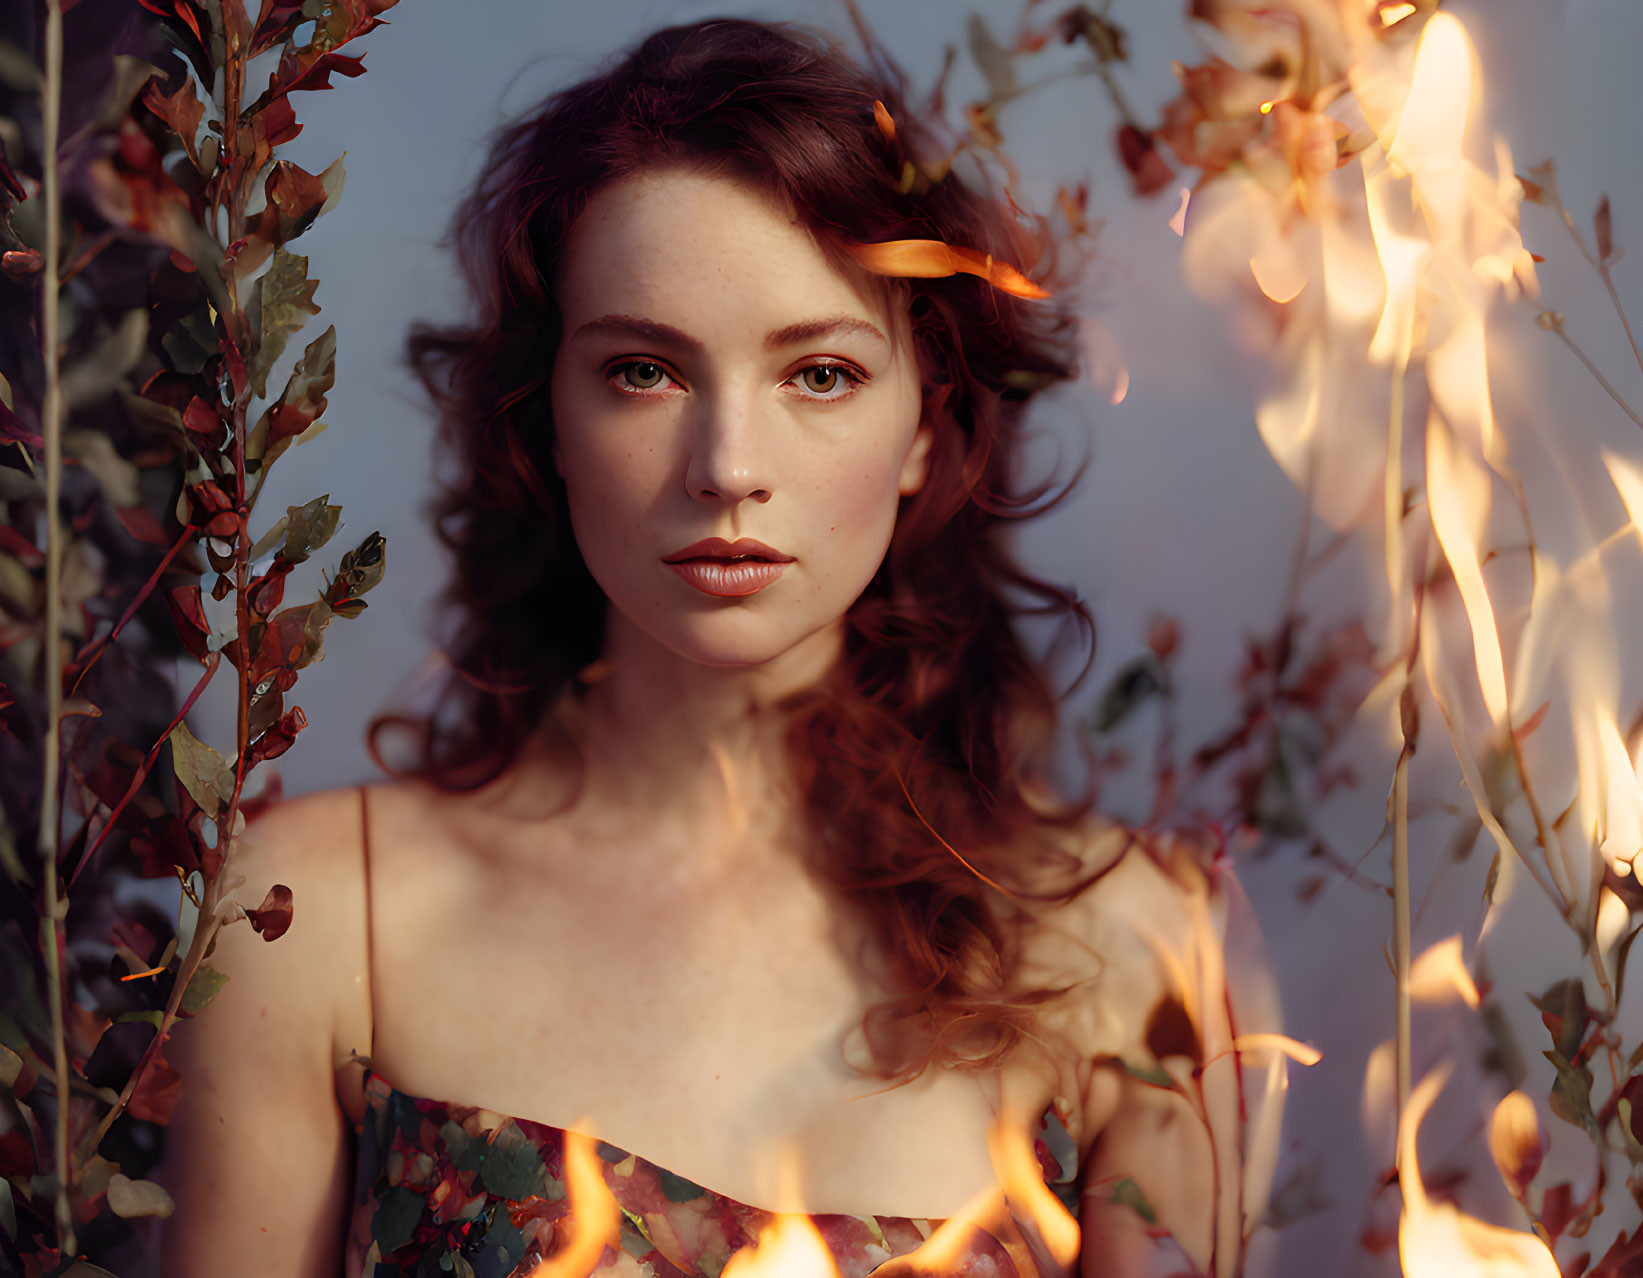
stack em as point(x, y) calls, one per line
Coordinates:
point(922, 754)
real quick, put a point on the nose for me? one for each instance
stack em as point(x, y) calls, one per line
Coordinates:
point(729, 452)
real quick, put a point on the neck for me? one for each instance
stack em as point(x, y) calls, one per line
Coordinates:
point(699, 748)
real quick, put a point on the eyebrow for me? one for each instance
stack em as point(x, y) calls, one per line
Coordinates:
point(792, 335)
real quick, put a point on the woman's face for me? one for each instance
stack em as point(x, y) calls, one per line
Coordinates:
point(718, 378)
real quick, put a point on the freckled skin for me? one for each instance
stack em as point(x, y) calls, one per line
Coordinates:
point(662, 444)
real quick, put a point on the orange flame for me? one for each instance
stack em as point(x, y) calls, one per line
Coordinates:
point(1440, 973)
point(1438, 1240)
point(933, 259)
point(596, 1218)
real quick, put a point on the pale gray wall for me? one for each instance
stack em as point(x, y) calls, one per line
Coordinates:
point(1182, 510)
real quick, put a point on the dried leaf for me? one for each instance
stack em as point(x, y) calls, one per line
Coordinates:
point(1603, 225)
point(301, 403)
point(308, 527)
point(156, 1093)
point(94, 451)
point(284, 300)
point(203, 986)
point(131, 1198)
point(1571, 1098)
point(105, 366)
point(1541, 186)
point(360, 570)
point(182, 111)
point(273, 916)
point(200, 770)
point(991, 59)
point(1139, 681)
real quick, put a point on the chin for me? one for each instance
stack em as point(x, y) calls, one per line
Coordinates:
point(749, 646)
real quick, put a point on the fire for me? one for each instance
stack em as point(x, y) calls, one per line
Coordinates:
point(1378, 278)
point(1438, 1240)
point(595, 1217)
point(1440, 973)
point(789, 1248)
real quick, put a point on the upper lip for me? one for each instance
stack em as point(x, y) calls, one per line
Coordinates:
point(719, 548)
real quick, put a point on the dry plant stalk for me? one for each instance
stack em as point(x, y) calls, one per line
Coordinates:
point(202, 244)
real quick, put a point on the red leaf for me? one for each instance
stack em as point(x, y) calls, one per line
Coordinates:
point(20, 547)
point(279, 738)
point(188, 613)
point(182, 111)
point(1623, 1260)
point(1148, 170)
point(273, 916)
point(294, 200)
point(142, 524)
point(156, 1093)
point(1557, 1209)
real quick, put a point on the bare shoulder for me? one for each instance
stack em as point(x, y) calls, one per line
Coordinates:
point(258, 1064)
point(1122, 944)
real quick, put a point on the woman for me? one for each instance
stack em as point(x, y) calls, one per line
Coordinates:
point(731, 840)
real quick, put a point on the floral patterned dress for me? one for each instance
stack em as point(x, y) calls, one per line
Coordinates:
point(455, 1190)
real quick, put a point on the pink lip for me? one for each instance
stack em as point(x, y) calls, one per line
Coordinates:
point(728, 580)
point(719, 548)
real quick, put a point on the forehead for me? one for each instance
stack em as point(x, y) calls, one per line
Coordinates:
point(677, 239)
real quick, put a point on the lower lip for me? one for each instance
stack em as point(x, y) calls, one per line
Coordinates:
point(727, 580)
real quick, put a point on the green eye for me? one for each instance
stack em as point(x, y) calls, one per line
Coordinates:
point(642, 375)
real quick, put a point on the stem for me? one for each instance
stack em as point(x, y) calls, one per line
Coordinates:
point(137, 779)
point(101, 645)
point(1400, 924)
point(1593, 370)
point(56, 908)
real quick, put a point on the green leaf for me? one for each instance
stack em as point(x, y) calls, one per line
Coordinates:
point(505, 1235)
point(152, 1016)
point(1155, 1074)
point(275, 536)
point(678, 1189)
point(308, 527)
point(396, 1219)
point(202, 771)
point(1135, 683)
point(510, 1166)
point(204, 986)
point(8, 1210)
point(1571, 1098)
point(1126, 1193)
point(284, 301)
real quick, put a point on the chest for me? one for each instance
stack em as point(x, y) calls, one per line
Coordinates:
point(702, 1023)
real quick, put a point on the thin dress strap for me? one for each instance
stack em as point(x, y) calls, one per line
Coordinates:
point(370, 930)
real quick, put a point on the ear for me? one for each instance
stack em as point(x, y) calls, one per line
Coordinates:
point(916, 468)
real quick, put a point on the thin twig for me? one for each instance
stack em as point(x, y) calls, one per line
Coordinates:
point(148, 762)
point(56, 908)
point(1557, 328)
